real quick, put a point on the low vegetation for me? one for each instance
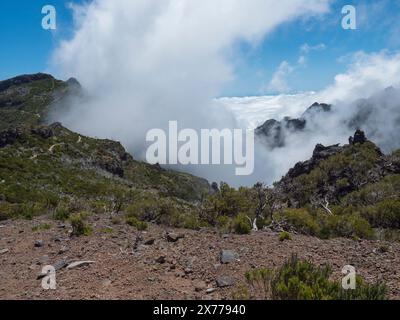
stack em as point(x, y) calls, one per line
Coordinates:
point(50, 170)
point(283, 236)
point(301, 280)
point(79, 225)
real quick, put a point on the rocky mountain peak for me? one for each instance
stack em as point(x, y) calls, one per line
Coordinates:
point(317, 107)
point(359, 137)
point(273, 133)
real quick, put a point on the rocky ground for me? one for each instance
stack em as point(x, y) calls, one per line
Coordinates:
point(185, 264)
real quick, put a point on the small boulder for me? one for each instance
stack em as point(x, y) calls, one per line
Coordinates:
point(225, 281)
point(63, 250)
point(39, 243)
point(161, 259)
point(228, 256)
point(188, 271)
point(174, 237)
point(149, 242)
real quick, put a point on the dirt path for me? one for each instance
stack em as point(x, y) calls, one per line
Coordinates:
point(126, 268)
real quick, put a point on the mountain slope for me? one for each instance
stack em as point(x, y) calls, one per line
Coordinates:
point(43, 167)
point(343, 190)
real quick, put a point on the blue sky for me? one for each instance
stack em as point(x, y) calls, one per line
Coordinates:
point(26, 47)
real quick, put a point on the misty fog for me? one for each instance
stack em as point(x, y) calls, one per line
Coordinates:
point(144, 63)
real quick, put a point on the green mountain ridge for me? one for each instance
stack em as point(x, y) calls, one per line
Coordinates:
point(342, 191)
point(44, 166)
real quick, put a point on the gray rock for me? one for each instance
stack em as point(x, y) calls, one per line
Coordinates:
point(60, 264)
point(173, 237)
point(63, 250)
point(161, 259)
point(188, 271)
point(228, 256)
point(39, 243)
point(3, 251)
point(149, 242)
point(210, 290)
point(225, 281)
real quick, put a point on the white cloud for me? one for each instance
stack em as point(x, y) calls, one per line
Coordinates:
point(252, 112)
point(279, 82)
point(367, 75)
point(306, 49)
point(149, 61)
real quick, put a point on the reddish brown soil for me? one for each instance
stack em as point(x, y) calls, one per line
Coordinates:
point(191, 267)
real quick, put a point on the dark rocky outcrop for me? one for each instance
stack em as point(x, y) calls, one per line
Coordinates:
point(320, 153)
point(44, 132)
point(316, 108)
point(359, 137)
point(9, 136)
point(323, 178)
point(273, 133)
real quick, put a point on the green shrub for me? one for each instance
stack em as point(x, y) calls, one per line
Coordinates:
point(284, 236)
point(41, 227)
point(7, 210)
point(385, 214)
point(115, 220)
point(260, 281)
point(192, 222)
point(107, 230)
point(301, 220)
point(229, 202)
point(30, 210)
point(364, 291)
point(79, 226)
point(348, 226)
point(135, 222)
point(145, 208)
point(241, 293)
point(301, 280)
point(241, 224)
point(61, 213)
point(223, 223)
point(263, 222)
